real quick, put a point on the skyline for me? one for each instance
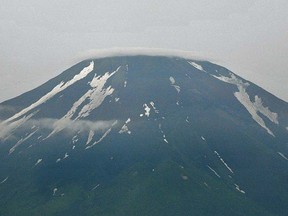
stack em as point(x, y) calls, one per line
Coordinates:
point(39, 40)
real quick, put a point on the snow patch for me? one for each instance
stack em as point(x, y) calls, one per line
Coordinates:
point(282, 155)
point(125, 84)
point(203, 138)
point(60, 87)
point(225, 164)
point(154, 107)
point(103, 136)
point(65, 156)
point(214, 172)
point(38, 162)
point(90, 137)
point(184, 177)
point(54, 191)
point(96, 95)
point(252, 107)
point(125, 128)
point(94, 188)
point(273, 117)
point(4, 180)
point(197, 66)
point(173, 83)
point(238, 188)
point(172, 80)
point(74, 139)
point(22, 140)
point(117, 99)
point(163, 134)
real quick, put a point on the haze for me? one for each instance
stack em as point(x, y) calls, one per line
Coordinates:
point(40, 39)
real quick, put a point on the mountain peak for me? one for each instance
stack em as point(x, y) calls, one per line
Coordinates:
point(160, 133)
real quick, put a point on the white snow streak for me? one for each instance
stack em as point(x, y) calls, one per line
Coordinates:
point(103, 136)
point(38, 162)
point(282, 155)
point(163, 134)
point(197, 66)
point(65, 156)
point(90, 137)
point(226, 165)
point(214, 172)
point(6, 128)
point(173, 83)
point(54, 191)
point(252, 107)
point(60, 87)
point(96, 96)
point(3, 181)
point(238, 188)
point(22, 140)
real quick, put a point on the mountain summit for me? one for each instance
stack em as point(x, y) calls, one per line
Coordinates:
point(144, 135)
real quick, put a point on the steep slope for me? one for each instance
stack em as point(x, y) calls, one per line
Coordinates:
point(140, 135)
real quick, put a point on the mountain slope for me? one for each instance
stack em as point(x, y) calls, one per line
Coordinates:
point(143, 135)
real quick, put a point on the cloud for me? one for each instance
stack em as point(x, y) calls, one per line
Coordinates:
point(70, 126)
point(134, 51)
point(7, 109)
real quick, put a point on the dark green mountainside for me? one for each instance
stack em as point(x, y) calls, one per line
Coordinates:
point(140, 135)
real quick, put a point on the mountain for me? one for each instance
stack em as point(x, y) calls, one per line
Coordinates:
point(144, 135)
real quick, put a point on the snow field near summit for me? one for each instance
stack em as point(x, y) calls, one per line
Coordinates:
point(60, 87)
point(197, 66)
point(96, 95)
point(252, 107)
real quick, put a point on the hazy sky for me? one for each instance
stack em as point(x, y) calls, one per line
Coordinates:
point(39, 39)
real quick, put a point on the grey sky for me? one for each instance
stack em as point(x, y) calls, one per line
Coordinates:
point(39, 39)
